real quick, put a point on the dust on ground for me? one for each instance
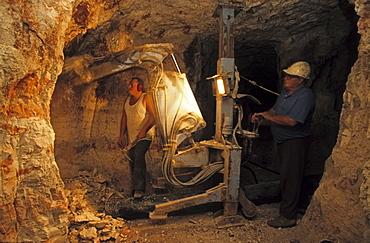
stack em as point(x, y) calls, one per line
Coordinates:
point(201, 227)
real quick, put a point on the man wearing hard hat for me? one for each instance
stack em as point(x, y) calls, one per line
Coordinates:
point(290, 121)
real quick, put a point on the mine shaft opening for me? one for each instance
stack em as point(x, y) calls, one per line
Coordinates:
point(258, 63)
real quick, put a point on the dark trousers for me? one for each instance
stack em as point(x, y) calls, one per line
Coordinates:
point(138, 165)
point(293, 155)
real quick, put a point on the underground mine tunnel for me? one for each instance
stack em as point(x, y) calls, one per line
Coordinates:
point(66, 66)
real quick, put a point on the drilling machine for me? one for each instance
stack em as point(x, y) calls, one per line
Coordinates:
point(223, 148)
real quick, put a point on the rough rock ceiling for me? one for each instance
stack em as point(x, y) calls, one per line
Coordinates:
point(257, 19)
point(179, 22)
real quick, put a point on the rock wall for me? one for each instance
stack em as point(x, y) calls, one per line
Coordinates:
point(33, 206)
point(339, 210)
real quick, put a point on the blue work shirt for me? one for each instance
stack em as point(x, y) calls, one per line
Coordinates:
point(299, 106)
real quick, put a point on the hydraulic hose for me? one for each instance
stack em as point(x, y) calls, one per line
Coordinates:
point(168, 162)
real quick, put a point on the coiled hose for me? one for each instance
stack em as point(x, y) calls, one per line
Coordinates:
point(168, 162)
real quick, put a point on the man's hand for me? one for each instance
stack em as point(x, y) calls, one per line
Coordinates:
point(121, 142)
point(141, 134)
point(257, 117)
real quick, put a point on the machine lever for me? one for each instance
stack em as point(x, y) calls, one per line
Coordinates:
point(212, 195)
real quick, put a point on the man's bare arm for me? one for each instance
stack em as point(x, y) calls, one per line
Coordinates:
point(270, 117)
point(283, 120)
point(123, 128)
point(149, 105)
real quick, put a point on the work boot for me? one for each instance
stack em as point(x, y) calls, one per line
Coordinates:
point(138, 194)
point(281, 222)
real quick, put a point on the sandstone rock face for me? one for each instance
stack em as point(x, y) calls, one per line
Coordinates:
point(85, 116)
point(342, 201)
point(33, 206)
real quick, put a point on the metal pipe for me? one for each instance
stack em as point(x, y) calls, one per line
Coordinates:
point(173, 58)
point(218, 125)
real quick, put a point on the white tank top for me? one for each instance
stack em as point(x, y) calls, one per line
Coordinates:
point(137, 116)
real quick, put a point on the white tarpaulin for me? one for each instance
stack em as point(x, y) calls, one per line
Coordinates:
point(178, 112)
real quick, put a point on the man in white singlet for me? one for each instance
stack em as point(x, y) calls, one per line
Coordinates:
point(137, 120)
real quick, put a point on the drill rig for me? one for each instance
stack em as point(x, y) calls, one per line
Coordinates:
point(223, 150)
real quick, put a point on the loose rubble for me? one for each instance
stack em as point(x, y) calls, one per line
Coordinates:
point(88, 221)
point(93, 201)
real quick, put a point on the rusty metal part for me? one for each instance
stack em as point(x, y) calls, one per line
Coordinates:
point(196, 156)
point(229, 221)
point(248, 208)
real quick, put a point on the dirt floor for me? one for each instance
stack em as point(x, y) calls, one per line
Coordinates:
point(201, 227)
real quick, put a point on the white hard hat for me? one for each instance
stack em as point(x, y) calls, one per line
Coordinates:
point(300, 69)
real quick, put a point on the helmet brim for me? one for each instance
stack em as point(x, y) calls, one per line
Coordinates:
point(287, 72)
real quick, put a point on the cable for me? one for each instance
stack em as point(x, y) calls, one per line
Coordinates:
point(253, 174)
point(263, 167)
point(168, 162)
point(259, 86)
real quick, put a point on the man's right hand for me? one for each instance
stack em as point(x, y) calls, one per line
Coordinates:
point(121, 143)
point(256, 117)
